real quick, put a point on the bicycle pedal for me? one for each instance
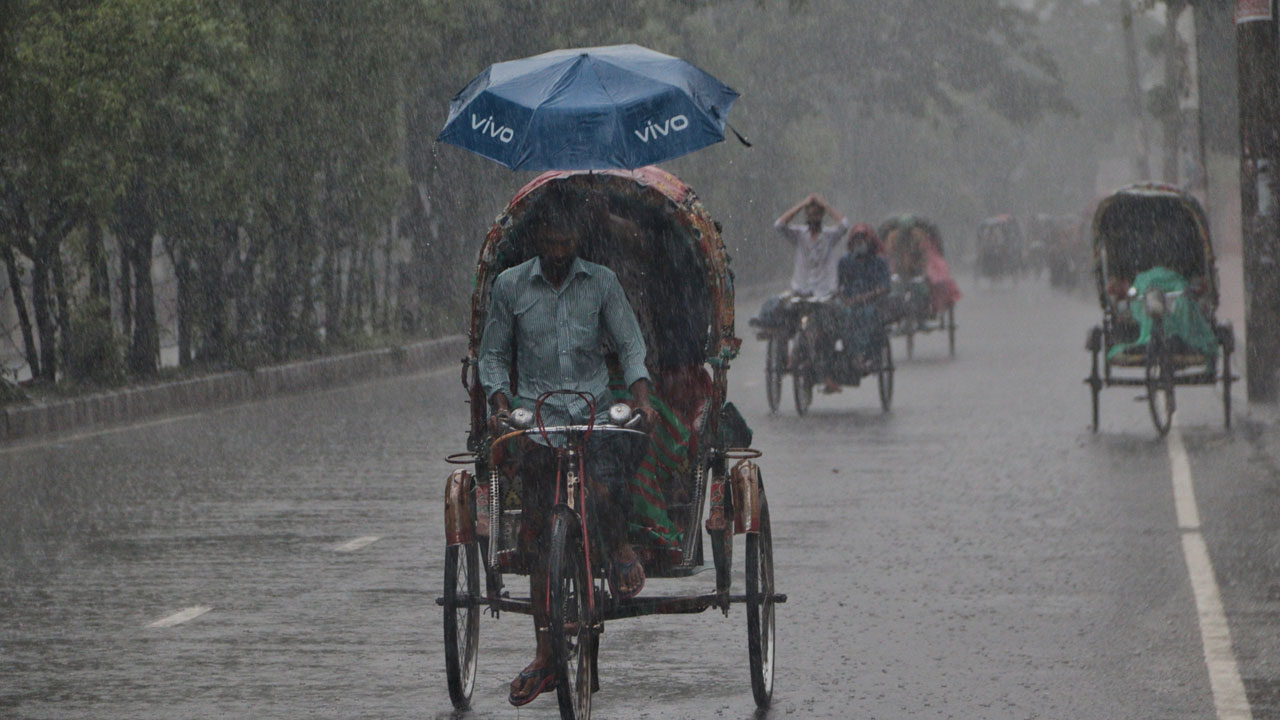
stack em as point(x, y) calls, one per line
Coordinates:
point(1140, 399)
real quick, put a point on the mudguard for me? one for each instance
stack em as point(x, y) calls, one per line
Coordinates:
point(459, 513)
point(747, 490)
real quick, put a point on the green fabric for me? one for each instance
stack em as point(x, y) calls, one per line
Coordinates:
point(666, 459)
point(1183, 321)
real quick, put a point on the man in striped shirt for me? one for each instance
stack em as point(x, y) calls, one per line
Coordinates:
point(555, 310)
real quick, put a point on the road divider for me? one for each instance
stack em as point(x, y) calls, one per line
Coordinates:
point(222, 389)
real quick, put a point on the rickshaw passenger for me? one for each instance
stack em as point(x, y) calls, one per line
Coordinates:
point(554, 311)
point(817, 246)
point(813, 271)
point(864, 277)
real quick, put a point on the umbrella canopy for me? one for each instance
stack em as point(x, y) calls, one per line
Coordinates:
point(622, 106)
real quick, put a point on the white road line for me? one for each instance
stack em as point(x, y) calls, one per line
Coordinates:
point(180, 617)
point(1229, 697)
point(353, 545)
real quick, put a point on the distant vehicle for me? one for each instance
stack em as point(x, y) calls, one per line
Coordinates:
point(999, 248)
point(1158, 288)
point(798, 348)
point(923, 295)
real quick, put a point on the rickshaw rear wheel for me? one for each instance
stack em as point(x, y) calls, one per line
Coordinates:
point(951, 329)
point(1159, 378)
point(775, 362)
point(1226, 387)
point(760, 608)
point(884, 375)
point(461, 620)
point(571, 622)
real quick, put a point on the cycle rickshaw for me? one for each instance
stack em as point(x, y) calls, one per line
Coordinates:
point(999, 249)
point(801, 345)
point(1158, 288)
point(698, 475)
point(923, 296)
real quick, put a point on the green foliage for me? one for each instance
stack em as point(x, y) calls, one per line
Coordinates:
point(275, 145)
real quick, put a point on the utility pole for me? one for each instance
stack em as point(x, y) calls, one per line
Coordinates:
point(1259, 78)
point(1172, 86)
point(1135, 89)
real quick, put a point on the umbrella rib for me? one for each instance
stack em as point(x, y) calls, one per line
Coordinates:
point(617, 118)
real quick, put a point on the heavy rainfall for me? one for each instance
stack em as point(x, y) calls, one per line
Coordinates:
point(944, 338)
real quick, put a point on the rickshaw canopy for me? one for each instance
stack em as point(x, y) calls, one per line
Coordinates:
point(652, 230)
point(1149, 225)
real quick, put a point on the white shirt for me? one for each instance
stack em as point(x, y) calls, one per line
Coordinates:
point(817, 257)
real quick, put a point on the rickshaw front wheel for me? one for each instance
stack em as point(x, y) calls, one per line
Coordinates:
point(775, 362)
point(803, 374)
point(1159, 379)
point(461, 620)
point(760, 608)
point(884, 374)
point(571, 622)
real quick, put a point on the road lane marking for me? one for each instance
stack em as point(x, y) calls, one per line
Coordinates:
point(1229, 697)
point(181, 616)
point(353, 545)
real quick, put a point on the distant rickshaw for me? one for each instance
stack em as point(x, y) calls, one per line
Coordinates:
point(799, 348)
point(999, 249)
point(1158, 287)
point(923, 295)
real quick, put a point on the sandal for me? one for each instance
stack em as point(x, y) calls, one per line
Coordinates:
point(620, 570)
point(546, 677)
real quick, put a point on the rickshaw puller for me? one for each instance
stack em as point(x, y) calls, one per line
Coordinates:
point(556, 309)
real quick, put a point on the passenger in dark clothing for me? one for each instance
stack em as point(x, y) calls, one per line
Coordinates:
point(863, 276)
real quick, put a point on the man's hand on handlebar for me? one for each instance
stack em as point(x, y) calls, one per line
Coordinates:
point(500, 415)
point(649, 414)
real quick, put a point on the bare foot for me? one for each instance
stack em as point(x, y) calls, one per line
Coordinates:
point(628, 577)
point(531, 681)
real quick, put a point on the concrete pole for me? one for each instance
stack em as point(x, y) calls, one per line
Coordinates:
point(1172, 130)
point(1259, 79)
point(1135, 90)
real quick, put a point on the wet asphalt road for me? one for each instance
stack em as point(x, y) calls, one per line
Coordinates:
point(974, 553)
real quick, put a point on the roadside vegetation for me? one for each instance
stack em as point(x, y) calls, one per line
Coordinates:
point(277, 159)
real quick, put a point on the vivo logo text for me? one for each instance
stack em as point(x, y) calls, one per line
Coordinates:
point(672, 124)
point(486, 125)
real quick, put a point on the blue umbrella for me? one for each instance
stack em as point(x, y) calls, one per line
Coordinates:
point(622, 106)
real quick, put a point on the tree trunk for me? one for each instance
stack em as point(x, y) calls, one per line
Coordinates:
point(331, 283)
point(137, 230)
point(96, 259)
point(144, 350)
point(126, 289)
point(44, 320)
point(20, 305)
point(386, 276)
point(186, 303)
point(62, 295)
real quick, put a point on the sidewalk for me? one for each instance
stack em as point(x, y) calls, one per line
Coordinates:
point(222, 389)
